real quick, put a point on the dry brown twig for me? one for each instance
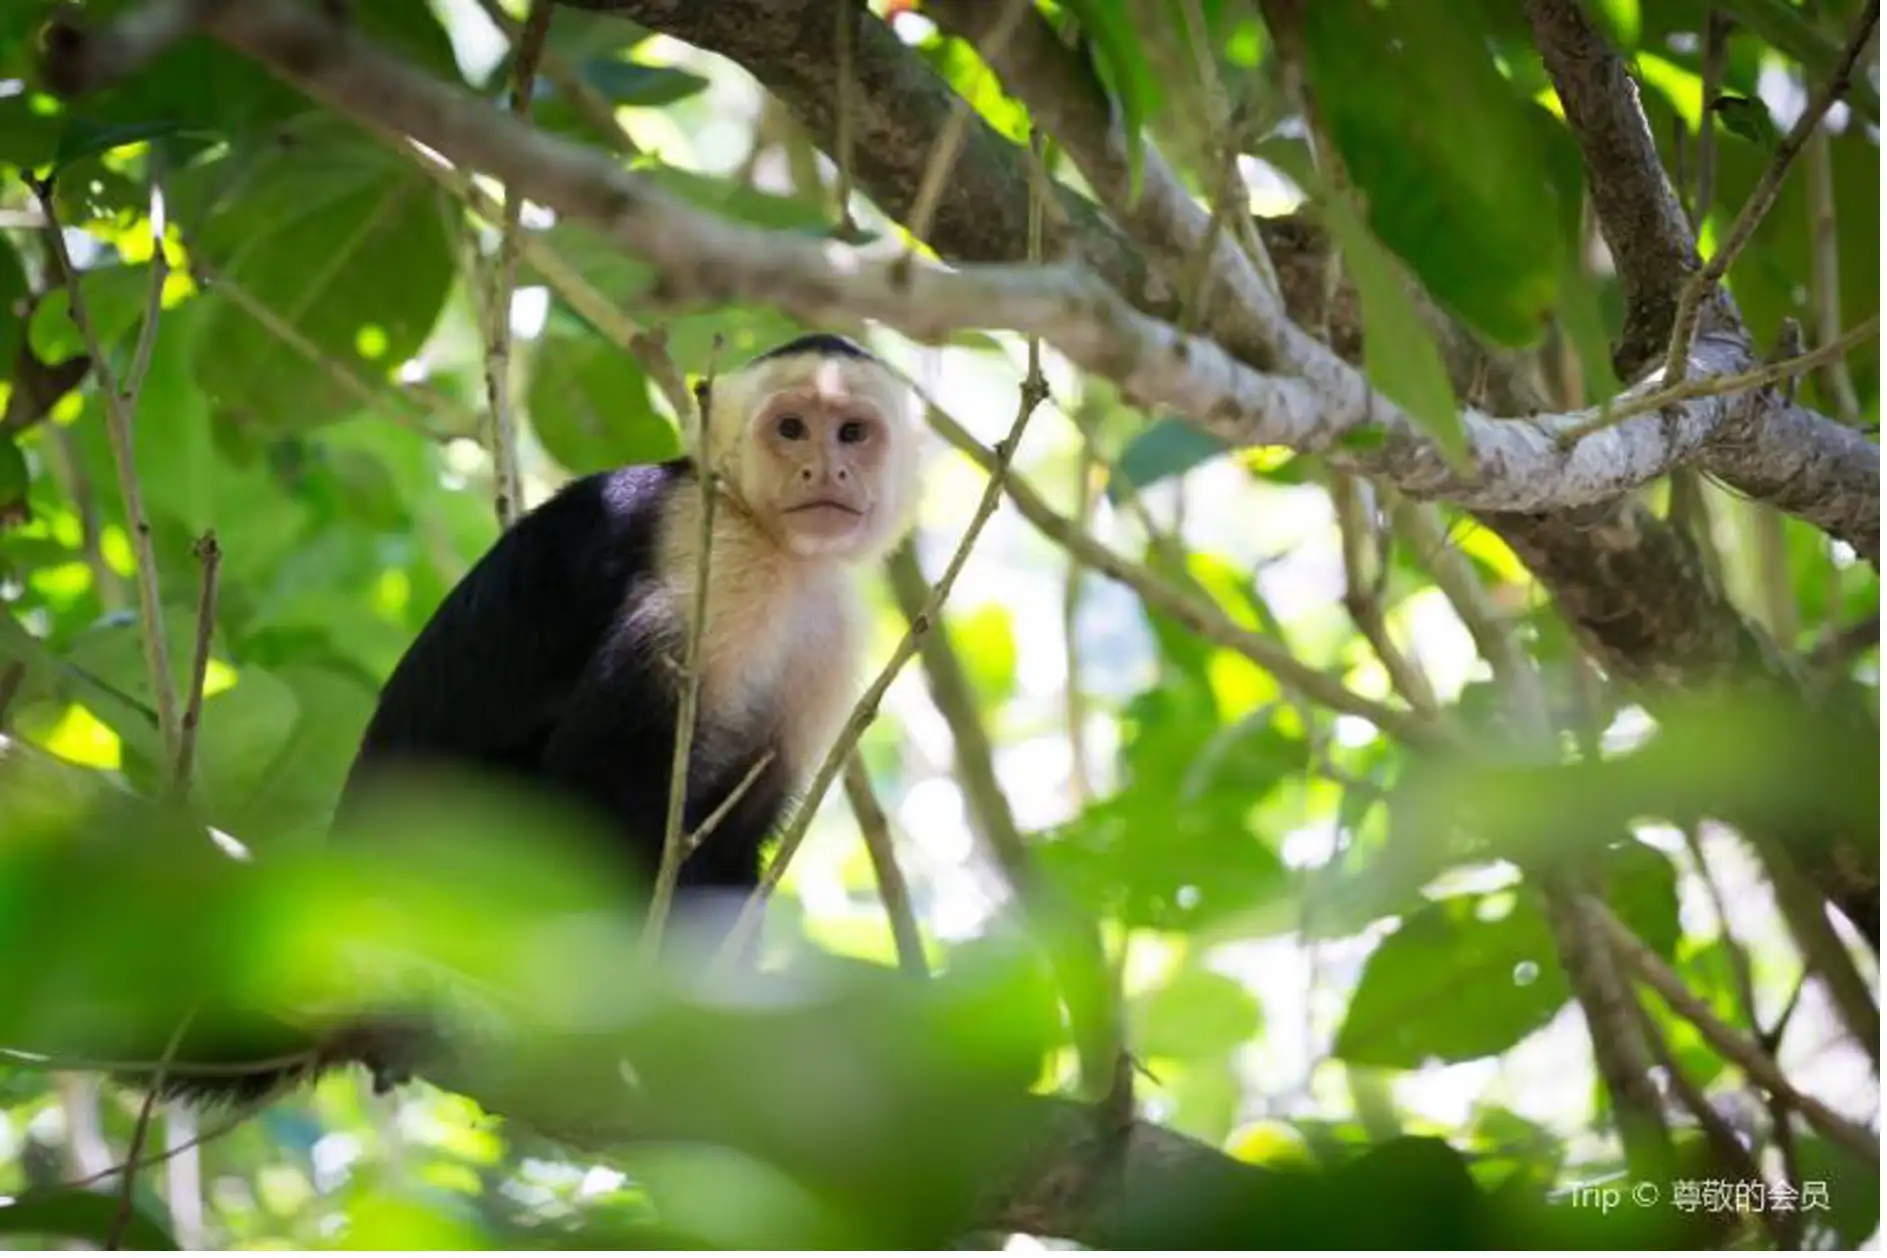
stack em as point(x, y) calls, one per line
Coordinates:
point(1763, 198)
point(121, 402)
point(674, 849)
point(875, 828)
point(210, 556)
point(1735, 1046)
point(528, 48)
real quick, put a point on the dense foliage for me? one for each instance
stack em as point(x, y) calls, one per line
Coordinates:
point(1341, 976)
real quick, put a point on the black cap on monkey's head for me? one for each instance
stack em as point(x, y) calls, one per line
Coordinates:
point(823, 344)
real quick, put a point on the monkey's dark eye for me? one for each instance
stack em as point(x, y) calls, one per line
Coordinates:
point(792, 427)
point(853, 431)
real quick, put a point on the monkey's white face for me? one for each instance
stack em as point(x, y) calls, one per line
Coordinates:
point(824, 463)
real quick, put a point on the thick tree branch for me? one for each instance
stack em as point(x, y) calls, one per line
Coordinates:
point(1638, 210)
point(702, 260)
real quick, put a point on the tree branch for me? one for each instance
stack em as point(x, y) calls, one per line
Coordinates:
point(875, 828)
point(120, 411)
point(700, 260)
point(1735, 1045)
point(528, 47)
point(1638, 211)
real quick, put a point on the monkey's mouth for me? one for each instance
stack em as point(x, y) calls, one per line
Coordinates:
point(823, 505)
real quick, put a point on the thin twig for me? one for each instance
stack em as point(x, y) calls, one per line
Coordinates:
point(528, 47)
point(1763, 198)
point(845, 16)
point(943, 150)
point(875, 827)
point(1716, 386)
point(139, 1131)
point(1422, 526)
point(591, 103)
point(1716, 45)
point(195, 1069)
point(210, 556)
point(688, 700)
point(1734, 1045)
point(1824, 283)
point(649, 348)
point(372, 395)
point(1198, 615)
point(866, 710)
point(120, 410)
point(1080, 776)
point(1362, 596)
point(158, 1159)
point(701, 832)
point(1733, 1160)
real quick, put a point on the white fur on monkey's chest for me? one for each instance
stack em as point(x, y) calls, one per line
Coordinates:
point(779, 649)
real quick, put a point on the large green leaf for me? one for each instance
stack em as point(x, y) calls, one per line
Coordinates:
point(1175, 849)
point(1165, 448)
point(244, 730)
point(114, 298)
point(349, 248)
point(590, 404)
point(1446, 156)
point(1469, 976)
point(176, 459)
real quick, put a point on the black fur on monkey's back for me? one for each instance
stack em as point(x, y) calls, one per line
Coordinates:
point(529, 669)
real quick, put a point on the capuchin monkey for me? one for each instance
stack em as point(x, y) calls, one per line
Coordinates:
point(557, 661)
point(559, 658)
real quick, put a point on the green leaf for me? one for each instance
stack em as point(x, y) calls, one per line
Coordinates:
point(81, 1215)
point(1785, 26)
point(1449, 158)
point(959, 64)
point(590, 406)
point(1582, 321)
point(83, 138)
point(1399, 355)
point(1747, 118)
point(176, 461)
point(345, 245)
point(243, 733)
point(1196, 1014)
point(632, 83)
point(30, 127)
point(331, 709)
point(1125, 70)
point(114, 297)
point(1166, 448)
point(1466, 977)
point(1174, 849)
